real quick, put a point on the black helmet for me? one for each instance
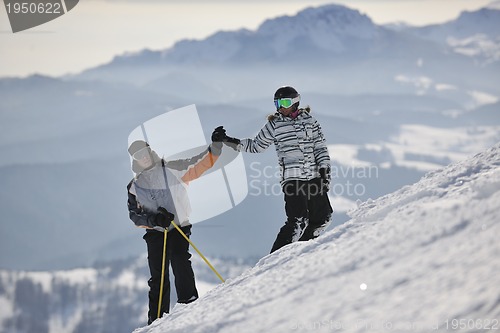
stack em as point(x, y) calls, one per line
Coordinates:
point(286, 92)
point(286, 97)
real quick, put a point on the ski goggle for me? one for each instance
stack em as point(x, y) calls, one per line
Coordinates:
point(285, 102)
point(141, 153)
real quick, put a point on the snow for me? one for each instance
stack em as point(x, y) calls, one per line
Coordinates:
point(7, 308)
point(421, 83)
point(345, 154)
point(482, 98)
point(420, 259)
point(341, 204)
point(46, 279)
point(60, 325)
point(421, 147)
point(78, 275)
point(204, 287)
point(444, 87)
point(130, 280)
point(478, 45)
point(438, 144)
point(494, 5)
point(325, 26)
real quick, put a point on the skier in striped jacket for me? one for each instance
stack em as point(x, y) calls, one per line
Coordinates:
point(304, 162)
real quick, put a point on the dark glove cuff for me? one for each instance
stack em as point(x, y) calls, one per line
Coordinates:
point(325, 174)
point(216, 148)
point(229, 139)
point(151, 220)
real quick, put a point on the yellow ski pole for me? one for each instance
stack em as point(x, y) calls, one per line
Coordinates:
point(201, 255)
point(162, 271)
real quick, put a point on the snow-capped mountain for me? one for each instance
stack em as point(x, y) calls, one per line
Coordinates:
point(327, 33)
point(424, 258)
point(318, 33)
point(328, 47)
point(393, 106)
point(484, 21)
point(66, 168)
point(475, 34)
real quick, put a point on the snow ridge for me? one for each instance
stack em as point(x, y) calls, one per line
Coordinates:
point(415, 260)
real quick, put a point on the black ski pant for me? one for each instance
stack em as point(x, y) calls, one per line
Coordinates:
point(178, 257)
point(308, 212)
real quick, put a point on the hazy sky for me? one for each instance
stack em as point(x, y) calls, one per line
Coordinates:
point(96, 30)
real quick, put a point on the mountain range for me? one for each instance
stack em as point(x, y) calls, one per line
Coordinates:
point(331, 39)
point(64, 165)
point(394, 102)
point(328, 33)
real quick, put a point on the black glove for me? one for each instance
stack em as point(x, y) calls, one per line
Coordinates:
point(326, 176)
point(218, 134)
point(163, 218)
point(231, 140)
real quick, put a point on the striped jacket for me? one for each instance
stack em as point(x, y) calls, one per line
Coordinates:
point(165, 185)
point(299, 143)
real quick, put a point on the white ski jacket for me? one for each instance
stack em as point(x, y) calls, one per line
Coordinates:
point(300, 145)
point(165, 185)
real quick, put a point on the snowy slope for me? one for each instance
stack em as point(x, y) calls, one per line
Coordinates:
point(424, 258)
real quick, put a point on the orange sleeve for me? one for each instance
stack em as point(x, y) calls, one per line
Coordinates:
point(196, 170)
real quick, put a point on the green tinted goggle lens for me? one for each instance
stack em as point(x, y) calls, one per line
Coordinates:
point(285, 102)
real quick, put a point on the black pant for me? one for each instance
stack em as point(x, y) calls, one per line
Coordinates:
point(178, 257)
point(308, 212)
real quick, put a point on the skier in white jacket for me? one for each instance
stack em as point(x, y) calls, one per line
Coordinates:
point(304, 162)
point(156, 196)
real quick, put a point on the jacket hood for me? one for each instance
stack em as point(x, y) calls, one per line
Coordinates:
point(137, 169)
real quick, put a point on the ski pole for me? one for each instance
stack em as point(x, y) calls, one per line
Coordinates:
point(162, 271)
point(201, 255)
